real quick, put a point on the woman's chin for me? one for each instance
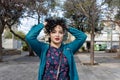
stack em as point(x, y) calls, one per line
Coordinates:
point(57, 42)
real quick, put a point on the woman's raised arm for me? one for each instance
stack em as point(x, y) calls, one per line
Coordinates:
point(80, 38)
point(32, 40)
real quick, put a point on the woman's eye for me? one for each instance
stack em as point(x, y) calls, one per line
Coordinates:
point(53, 31)
point(61, 32)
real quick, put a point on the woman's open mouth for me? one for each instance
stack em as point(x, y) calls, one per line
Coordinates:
point(57, 39)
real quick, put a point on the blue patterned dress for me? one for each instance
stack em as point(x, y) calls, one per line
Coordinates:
point(52, 63)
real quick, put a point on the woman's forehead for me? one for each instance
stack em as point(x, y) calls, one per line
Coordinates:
point(58, 27)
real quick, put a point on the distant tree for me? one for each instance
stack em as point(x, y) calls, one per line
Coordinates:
point(37, 8)
point(12, 10)
point(114, 5)
point(85, 15)
point(7, 34)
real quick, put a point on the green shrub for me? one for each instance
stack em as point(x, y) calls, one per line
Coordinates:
point(25, 48)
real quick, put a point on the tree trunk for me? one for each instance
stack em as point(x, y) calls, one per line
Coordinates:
point(0, 47)
point(31, 53)
point(38, 18)
point(119, 44)
point(1, 31)
point(93, 18)
point(92, 49)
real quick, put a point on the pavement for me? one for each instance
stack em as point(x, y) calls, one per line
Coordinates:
point(22, 67)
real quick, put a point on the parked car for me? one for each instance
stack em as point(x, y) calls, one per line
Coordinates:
point(113, 49)
point(100, 47)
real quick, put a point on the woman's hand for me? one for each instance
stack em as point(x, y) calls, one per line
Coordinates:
point(45, 23)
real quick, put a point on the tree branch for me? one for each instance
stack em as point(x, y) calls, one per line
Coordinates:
point(16, 34)
point(117, 22)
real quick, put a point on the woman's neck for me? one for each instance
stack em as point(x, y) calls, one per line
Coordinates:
point(55, 45)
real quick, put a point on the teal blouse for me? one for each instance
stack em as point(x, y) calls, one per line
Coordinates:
point(69, 49)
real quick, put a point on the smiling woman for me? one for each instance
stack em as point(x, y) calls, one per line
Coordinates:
point(55, 28)
point(56, 58)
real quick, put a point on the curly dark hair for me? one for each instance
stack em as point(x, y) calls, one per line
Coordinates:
point(52, 22)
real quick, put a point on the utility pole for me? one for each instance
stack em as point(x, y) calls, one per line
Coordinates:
point(111, 37)
point(119, 36)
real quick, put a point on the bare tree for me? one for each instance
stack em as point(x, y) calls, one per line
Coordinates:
point(87, 12)
point(10, 12)
point(114, 5)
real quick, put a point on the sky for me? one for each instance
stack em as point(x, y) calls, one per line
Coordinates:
point(27, 23)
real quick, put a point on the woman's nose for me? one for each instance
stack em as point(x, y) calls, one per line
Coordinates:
point(57, 34)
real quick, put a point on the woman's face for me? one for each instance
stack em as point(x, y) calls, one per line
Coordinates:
point(56, 35)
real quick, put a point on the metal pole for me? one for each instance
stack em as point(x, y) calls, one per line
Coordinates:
point(111, 38)
point(119, 43)
point(118, 53)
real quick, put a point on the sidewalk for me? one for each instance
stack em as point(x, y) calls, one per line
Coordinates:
point(108, 67)
point(21, 67)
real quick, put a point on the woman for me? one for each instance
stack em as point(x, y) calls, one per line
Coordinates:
point(56, 58)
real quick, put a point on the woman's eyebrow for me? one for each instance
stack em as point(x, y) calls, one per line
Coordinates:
point(53, 30)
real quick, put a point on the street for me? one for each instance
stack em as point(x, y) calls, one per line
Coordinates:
point(19, 67)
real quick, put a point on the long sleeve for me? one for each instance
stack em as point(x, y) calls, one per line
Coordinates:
point(80, 38)
point(31, 38)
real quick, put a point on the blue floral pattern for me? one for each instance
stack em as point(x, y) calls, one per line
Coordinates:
point(52, 63)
